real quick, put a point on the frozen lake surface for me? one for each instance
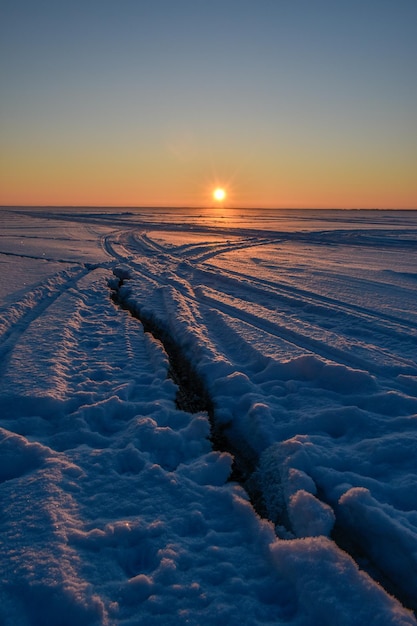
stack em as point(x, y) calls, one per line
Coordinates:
point(208, 415)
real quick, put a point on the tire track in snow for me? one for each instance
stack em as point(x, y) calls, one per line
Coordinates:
point(302, 334)
point(199, 253)
point(72, 350)
point(21, 255)
point(317, 340)
point(131, 242)
point(289, 296)
point(15, 320)
point(294, 295)
point(243, 289)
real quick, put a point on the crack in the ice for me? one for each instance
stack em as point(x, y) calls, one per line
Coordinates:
point(193, 397)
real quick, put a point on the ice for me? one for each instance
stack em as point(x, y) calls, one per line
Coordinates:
point(291, 498)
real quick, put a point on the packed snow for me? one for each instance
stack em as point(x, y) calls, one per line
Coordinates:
point(289, 498)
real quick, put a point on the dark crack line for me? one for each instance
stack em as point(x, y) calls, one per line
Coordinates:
point(193, 397)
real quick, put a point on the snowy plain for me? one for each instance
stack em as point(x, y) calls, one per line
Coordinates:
point(281, 488)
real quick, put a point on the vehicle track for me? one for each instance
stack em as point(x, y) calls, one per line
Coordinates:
point(15, 320)
point(293, 295)
point(324, 346)
point(290, 295)
point(276, 318)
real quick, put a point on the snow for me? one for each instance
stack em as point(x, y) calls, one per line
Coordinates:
point(291, 498)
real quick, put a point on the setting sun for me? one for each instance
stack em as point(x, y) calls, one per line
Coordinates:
point(219, 194)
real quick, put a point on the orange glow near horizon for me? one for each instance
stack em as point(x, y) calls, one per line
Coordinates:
point(60, 192)
point(274, 182)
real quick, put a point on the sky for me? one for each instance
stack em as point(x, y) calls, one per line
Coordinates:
point(284, 103)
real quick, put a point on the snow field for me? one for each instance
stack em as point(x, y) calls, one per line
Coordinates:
point(115, 507)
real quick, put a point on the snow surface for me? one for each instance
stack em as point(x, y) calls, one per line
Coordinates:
point(117, 508)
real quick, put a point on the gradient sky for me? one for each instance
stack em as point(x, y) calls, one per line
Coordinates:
point(287, 103)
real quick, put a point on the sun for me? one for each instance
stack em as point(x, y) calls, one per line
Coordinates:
point(219, 194)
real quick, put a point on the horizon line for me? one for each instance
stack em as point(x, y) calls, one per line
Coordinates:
point(200, 207)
